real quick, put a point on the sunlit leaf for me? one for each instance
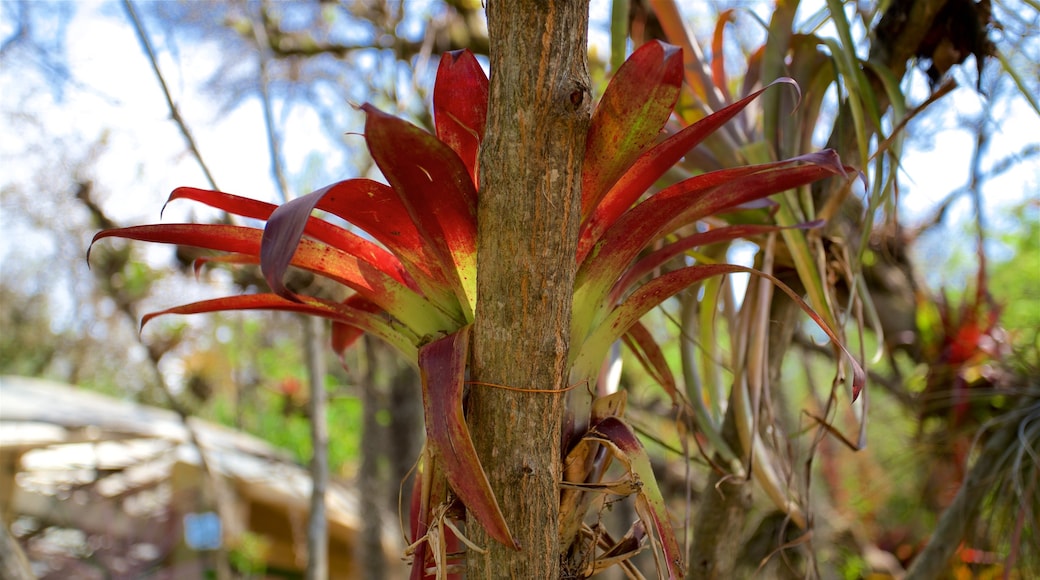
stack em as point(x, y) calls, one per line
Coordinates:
point(435, 186)
point(345, 314)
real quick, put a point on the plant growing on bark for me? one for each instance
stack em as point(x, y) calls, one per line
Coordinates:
point(414, 286)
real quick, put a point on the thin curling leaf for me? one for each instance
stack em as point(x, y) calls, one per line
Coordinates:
point(629, 117)
point(460, 101)
point(618, 437)
point(656, 291)
point(651, 166)
point(684, 203)
point(435, 186)
point(646, 350)
point(442, 367)
point(374, 324)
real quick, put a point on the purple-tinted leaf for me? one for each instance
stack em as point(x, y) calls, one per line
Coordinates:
point(315, 228)
point(442, 366)
point(435, 186)
point(623, 443)
point(650, 167)
point(687, 202)
point(374, 324)
point(460, 101)
point(629, 117)
point(656, 291)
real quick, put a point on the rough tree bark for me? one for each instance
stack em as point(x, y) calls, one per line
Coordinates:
point(530, 168)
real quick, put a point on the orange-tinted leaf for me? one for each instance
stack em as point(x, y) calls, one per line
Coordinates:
point(372, 323)
point(442, 366)
point(718, 53)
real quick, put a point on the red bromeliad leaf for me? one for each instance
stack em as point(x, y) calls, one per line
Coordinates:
point(344, 314)
point(618, 437)
point(363, 276)
point(442, 366)
point(629, 117)
point(656, 291)
point(315, 228)
point(243, 206)
point(435, 186)
point(376, 209)
point(658, 257)
point(646, 350)
point(684, 203)
point(460, 101)
point(650, 167)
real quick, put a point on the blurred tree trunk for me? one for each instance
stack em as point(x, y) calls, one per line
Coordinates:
point(530, 172)
point(317, 525)
point(13, 563)
point(371, 480)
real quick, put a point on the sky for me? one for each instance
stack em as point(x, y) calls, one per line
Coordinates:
point(114, 96)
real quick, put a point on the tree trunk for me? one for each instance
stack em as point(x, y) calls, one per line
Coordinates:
point(530, 168)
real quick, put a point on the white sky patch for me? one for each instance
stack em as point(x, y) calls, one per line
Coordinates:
point(116, 93)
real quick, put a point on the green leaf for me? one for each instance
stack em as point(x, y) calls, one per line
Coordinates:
point(656, 291)
point(659, 257)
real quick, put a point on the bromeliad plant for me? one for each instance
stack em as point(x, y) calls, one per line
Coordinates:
point(414, 286)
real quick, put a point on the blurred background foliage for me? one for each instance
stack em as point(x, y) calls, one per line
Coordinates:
point(84, 150)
